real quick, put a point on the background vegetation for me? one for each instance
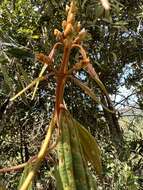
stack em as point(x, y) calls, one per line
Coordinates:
point(115, 48)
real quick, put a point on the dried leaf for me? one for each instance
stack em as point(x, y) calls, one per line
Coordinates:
point(91, 71)
point(90, 93)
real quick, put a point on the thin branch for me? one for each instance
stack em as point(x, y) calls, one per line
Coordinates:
point(125, 98)
point(13, 168)
point(18, 167)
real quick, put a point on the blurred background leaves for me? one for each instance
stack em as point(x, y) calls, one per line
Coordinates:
point(116, 50)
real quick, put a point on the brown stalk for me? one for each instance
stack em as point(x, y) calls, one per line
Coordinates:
point(61, 79)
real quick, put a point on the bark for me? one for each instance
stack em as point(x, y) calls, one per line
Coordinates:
point(112, 121)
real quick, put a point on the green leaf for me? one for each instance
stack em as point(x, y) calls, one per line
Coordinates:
point(90, 148)
point(56, 174)
point(120, 23)
point(114, 56)
point(99, 10)
point(20, 53)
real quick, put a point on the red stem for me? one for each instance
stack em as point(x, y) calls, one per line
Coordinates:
point(61, 78)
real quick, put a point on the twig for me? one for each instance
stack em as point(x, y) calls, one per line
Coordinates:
point(18, 167)
point(13, 168)
point(125, 98)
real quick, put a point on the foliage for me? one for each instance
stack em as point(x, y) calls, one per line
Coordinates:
point(115, 48)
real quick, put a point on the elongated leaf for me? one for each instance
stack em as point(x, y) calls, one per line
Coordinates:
point(90, 93)
point(90, 147)
point(22, 79)
point(62, 165)
point(83, 3)
point(75, 162)
point(24, 175)
point(47, 60)
point(57, 176)
point(77, 153)
point(91, 71)
point(67, 147)
point(20, 53)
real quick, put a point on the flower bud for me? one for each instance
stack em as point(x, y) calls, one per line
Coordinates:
point(64, 24)
point(68, 29)
point(82, 34)
point(70, 18)
point(78, 26)
point(67, 8)
point(57, 33)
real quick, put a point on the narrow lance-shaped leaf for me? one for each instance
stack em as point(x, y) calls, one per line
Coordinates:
point(20, 53)
point(90, 147)
point(21, 85)
point(77, 154)
point(62, 167)
point(90, 93)
point(57, 176)
point(23, 80)
point(86, 65)
point(91, 71)
point(67, 150)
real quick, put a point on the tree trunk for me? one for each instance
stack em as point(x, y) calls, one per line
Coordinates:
point(112, 121)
